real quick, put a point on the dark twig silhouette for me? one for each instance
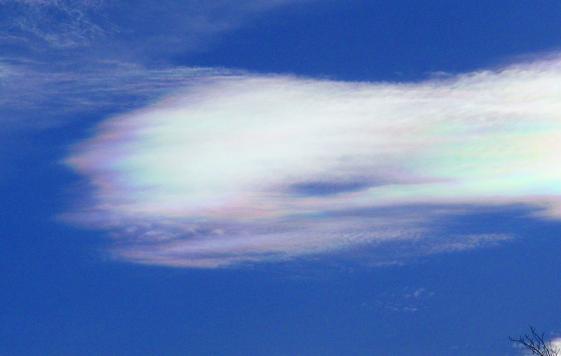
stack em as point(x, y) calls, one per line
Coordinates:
point(536, 344)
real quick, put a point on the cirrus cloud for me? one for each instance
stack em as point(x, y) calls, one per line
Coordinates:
point(117, 26)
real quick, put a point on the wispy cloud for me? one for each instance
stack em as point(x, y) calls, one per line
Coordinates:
point(61, 93)
point(57, 23)
point(72, 56)
point(251, 168)
point(124, 25)
point(410, 300)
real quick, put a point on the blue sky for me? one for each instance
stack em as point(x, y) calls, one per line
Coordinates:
point(316, 177)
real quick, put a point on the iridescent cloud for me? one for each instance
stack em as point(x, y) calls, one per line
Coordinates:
point(248, 168)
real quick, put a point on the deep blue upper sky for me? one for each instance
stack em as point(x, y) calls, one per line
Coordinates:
point(60, 294)
point(387, 40)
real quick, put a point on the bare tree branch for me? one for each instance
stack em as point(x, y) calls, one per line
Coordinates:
point(536, 343)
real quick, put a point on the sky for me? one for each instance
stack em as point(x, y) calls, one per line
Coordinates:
point(283, 177)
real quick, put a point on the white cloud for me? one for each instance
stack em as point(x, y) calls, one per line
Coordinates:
point(250, 168)
point(556, 344)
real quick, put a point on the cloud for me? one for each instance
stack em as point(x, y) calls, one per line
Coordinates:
point(410, 300)
point(62, 94)
point(57, 23)
point(74, 56)
point(556, 344)
point(124, 26)
point(249, 168)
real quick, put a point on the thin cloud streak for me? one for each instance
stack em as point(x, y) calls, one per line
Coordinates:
point(79, 56)
point(56, 23)
point(60, 94)
point(78, 24)
point(213, 175)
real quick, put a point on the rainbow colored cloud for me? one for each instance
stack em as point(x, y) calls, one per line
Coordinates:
point(247, 168)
